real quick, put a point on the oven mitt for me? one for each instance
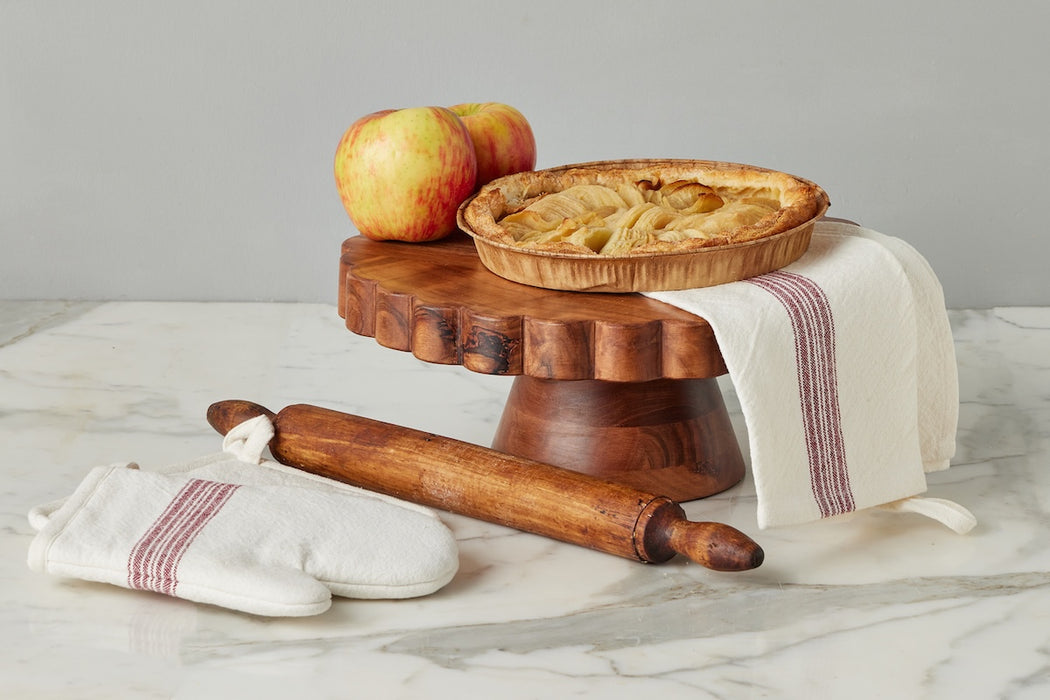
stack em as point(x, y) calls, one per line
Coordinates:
point(234, 530)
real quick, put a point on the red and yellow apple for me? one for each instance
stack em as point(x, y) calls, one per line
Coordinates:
point(502, 137)
point(402, 174)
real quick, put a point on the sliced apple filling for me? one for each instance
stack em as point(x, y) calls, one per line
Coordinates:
point(618, 220)
point(664, 208)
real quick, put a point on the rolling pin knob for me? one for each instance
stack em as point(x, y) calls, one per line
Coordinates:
point(224, 416)
point(716, 545)
point(663, 530)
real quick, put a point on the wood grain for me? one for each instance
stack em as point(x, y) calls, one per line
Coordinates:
point(482, 483)
point(614, 385)
point(437, 301)
point(669, 435)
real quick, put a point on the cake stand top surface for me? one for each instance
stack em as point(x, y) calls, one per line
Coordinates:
point(437, 301)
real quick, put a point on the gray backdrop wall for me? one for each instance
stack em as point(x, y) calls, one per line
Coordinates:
point(183, 150)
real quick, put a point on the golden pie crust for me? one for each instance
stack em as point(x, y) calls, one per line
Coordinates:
point(761, 221)
point(640, 208)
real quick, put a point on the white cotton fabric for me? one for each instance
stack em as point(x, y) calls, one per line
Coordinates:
point(245, 533)
point(894, 399)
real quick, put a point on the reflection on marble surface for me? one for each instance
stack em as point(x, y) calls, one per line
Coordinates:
point(879, 605)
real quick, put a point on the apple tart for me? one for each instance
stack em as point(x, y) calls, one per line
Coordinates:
point(645, 211)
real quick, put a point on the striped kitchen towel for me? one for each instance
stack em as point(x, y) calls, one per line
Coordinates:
point(844, 365)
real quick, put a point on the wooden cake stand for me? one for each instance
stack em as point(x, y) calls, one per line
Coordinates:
point(618, 386)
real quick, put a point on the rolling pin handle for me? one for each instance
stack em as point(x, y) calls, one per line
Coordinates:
point(224, 416)
point(715, 545)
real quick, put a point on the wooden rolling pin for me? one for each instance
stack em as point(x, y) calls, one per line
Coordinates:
point(482, 483)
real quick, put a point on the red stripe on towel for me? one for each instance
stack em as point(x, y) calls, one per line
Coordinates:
point(153, 563)
point(814, 329)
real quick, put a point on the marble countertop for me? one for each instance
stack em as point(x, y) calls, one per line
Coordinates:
point(880, 605)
